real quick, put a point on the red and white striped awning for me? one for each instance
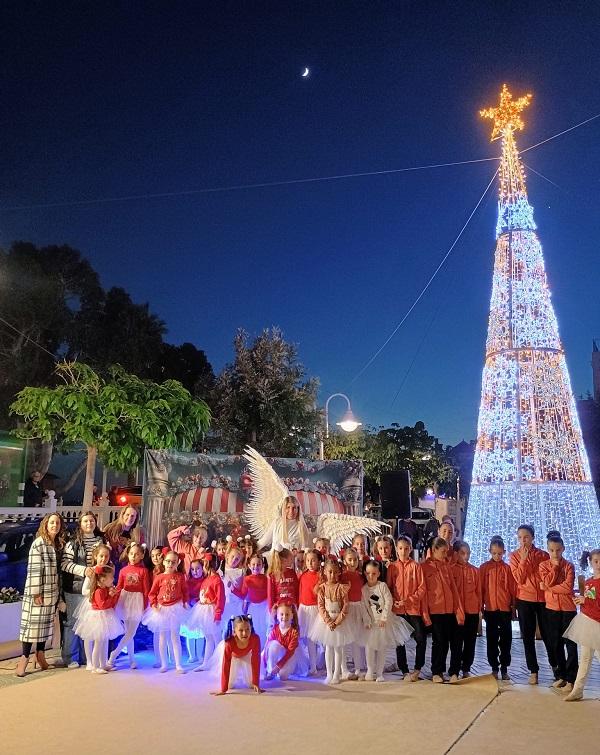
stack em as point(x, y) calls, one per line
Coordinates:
point(221, 501)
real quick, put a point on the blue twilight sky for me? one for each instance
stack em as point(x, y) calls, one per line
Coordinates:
point(125, 98)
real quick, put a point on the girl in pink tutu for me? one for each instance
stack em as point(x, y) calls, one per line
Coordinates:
point(585, 627)
point(308, 610)
point(331, 630)
point(283, 653)
point(134, 587)
point(101, 624)
point(168, 603)
point(206, 615)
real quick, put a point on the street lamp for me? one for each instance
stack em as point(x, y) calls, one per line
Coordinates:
point(348, 423)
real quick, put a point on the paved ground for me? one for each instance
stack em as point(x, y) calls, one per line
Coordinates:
point(478, 715)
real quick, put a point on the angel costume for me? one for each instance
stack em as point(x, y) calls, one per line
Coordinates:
point(266, 514)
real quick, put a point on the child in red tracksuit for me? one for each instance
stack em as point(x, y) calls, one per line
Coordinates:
point(407, 585)
point(468, 586)
point(498, 594)
point(443, 607)
point(557, 580)
point(524, 564)
point(283, 580)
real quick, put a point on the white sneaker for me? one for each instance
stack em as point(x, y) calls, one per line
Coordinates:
point(437, 679)
point(89, 667)
point(100, 671)
point(73, 664)
point(453, 679)
point(380, 679)
point(335, 679)
point(163, 669)
point(328, 679)
point(414, 676)
point(369, 677)
point(180, 670)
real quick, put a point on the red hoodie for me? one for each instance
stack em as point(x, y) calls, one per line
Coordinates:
point(468, 585)
point(560, 581)
point(406, 581)
point(527, 575)
point(442, 595)
point(498, 586)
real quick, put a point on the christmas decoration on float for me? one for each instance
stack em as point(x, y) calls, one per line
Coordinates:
point(530, 462)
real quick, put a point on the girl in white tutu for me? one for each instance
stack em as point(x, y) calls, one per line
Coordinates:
point(330, 630)
point(352, 577)
point(100, 557)
point(254, 592)
point(206, 615)
point(193, 637)
point(168, 603)
point(233, 571)
point(308, 611)
point(134, 586)
point(283, 653)
point(383, 629)
point(101, 624)
point(585, 627)
point(239, 654)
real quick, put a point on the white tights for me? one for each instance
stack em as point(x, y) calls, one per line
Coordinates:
point(88, 646)
point(354, 651)
point(375, 662)
point(169, 640)
point(127, 639)
point(312, 655)
point(333, 661)
point(99, 654)
point(194, 648)
point(586, 656)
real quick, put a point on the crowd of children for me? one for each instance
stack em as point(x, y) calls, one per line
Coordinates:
point(249, 617)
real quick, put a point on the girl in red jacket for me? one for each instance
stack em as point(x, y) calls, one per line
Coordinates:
point(468, 585)
point(283, 580)
point(585, 627)
point(557, 580)
point(133, 587)
point(206, 615)
point(101, 624)
point(254, 594)
point(240, 655)
point(308, 611)
point(524, 564)
point(407, 585)
point(283, 653)
point(352, 577)
point(443, 607)
point(168, 598)
point(498, 593)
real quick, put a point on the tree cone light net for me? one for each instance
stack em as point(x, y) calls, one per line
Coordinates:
point(530, 463)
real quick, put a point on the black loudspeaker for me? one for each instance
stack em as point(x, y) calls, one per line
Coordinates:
point(395, 495)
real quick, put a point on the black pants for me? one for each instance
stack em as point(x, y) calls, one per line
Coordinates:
point(498, 631)
point(420, 638)
point(529, 614)
point(39, 647)
point(556, 623)
point(443, 627)
point(462, 644)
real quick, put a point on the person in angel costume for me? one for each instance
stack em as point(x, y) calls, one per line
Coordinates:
point(276, 520)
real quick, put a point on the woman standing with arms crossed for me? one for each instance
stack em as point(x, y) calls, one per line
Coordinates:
point(42, 591)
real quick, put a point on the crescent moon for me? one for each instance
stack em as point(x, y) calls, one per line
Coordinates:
point(305, 73)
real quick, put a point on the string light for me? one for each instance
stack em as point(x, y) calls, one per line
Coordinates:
point(530, 461)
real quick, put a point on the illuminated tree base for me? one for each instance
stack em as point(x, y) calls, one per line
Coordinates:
point(498, 509)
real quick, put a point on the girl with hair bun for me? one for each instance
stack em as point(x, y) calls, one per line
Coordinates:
point(239, 653)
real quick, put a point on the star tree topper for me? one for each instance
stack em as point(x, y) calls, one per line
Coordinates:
point(507, 115)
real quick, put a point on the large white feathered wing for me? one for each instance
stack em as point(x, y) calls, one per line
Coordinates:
point(266, 496)
point(341, 528)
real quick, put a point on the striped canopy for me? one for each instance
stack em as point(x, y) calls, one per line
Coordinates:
point(221, 501)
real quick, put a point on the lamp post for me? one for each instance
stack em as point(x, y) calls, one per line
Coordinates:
point(348, 423)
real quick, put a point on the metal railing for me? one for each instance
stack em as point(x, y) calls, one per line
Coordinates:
point(104, 514)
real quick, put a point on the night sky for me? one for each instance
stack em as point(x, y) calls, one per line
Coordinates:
point(109, 99)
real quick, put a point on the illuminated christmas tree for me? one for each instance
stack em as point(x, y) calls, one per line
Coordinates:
point(530, 463)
